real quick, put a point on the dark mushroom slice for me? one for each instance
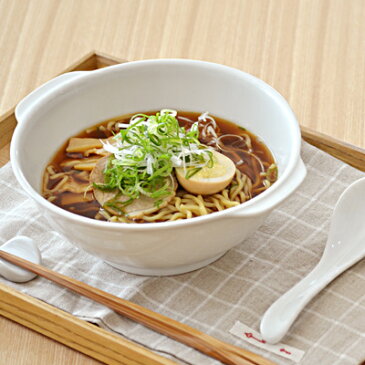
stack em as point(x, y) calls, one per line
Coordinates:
point(139, 207)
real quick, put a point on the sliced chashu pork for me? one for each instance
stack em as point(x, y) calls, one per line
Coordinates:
point(139, 207)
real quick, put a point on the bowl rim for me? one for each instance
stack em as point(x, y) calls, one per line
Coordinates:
point(291, 123)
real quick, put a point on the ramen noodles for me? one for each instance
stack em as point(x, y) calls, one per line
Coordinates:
point(157, 167)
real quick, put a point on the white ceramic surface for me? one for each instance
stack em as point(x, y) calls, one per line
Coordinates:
point(25, 248)
point(345, 246)
point(72, 102)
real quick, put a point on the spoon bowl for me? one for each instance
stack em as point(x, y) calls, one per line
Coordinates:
point(345, 246)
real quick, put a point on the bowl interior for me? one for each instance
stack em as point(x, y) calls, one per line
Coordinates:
point(151, 85)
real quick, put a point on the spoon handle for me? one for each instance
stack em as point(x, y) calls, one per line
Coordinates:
point(281, 314)
point(226, 353)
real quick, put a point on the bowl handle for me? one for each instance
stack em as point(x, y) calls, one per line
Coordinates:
point(25, 104)
point(266, 205)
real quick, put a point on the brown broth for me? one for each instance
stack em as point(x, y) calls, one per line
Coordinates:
point(87, 206)
point(249, 165)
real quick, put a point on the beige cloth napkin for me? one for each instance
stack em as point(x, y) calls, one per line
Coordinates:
point(238, 287)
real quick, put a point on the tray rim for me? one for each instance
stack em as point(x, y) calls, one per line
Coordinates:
point(351, 154)
point(47, 317)
point(53, 322)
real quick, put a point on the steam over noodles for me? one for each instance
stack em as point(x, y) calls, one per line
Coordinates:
point(157, 167)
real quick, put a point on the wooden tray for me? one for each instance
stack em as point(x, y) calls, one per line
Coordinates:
point(83, 336)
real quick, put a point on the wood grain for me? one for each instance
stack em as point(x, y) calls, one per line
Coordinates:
point(33, 348)
point(343, 151)
point(222, 351)
point(312, 51)
point(73, 332)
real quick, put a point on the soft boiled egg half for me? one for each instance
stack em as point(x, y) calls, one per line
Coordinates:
point(209, 180)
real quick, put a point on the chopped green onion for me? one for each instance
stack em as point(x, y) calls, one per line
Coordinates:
point(145, 152)
point(191, 172)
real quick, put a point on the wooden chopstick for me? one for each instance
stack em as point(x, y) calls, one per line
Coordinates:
point(222, 351)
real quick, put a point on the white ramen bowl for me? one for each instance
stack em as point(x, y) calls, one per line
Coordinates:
point(72, 102)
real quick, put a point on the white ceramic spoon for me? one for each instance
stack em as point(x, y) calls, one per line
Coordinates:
point(345, 246)
point(25, 248)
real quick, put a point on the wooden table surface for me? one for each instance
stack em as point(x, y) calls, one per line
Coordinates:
point(311, 51)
